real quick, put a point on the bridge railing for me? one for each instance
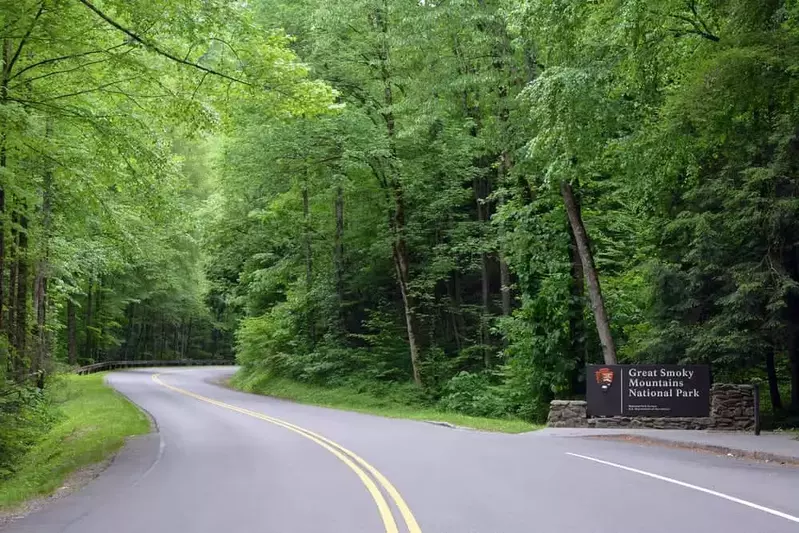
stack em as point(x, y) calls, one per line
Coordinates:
point(113, 365)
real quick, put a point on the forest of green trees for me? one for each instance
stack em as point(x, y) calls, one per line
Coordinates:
point(466, 199)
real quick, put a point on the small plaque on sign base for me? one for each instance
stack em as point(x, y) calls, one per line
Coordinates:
point(648, 390)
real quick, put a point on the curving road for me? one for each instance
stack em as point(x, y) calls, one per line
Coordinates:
point(225, 461)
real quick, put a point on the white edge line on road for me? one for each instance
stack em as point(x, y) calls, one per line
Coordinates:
point(692, 487)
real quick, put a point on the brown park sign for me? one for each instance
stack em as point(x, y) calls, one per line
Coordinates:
point(648, 390)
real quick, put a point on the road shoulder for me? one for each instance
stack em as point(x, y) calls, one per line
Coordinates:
point(348, 399)
point(98, 430)
point(780, 448)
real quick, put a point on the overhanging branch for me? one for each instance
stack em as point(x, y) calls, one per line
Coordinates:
point(157, 49)
point(8, 68)
point(64, 58)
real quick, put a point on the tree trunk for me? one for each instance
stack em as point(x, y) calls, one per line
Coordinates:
point(137, 341)
point(306, 239)
point(481, 192)
point(308, 251)
point(454, 308)
point(773, 389)
point(21, 313)
point(187, 341)
point(338, 244)
point(154, 331)
point(130, 317)
point(2, 243)
point(401, 264)
point(180, 338)
point(504, 279)
point(72, 341)
point(40, 305)
point(458, 314)
point(3, 164)
point(97, 345)
point(394, 184)
point(164, 337)
point(87, 351)
point(143, 339)
point(176, 339)
point(12, 281)
point(215, 340)
point(42, 266)
point(481, 188)
point(592, 278)
point(504, 269)
point(339, 327)
point(793, 356)
point(162, 341)
point(486, 314)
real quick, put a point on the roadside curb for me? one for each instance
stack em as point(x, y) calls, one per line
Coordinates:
point(444, 424)
point(153, 422)
point(153, 442)
point(700, 446)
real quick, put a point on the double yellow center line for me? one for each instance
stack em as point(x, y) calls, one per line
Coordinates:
point(349, 458)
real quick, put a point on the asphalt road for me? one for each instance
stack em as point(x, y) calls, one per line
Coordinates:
point(225, 461)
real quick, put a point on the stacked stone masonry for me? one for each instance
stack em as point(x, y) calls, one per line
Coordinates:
point(567, 414)
point(732, 407)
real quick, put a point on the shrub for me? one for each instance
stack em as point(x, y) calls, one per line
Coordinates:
point(25, 415)
point(472, 394)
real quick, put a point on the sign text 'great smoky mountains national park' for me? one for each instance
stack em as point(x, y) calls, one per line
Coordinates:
point(648, 390)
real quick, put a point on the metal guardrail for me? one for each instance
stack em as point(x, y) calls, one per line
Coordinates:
point(112, 365)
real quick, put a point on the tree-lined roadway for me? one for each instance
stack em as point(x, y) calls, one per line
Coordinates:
point(228, 461)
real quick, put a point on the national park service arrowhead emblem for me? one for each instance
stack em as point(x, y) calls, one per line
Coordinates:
point(604, 378)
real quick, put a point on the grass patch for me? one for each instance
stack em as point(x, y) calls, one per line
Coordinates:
point(394, 402)
point(93, 422)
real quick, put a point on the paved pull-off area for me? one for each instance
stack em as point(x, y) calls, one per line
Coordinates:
point(781, 447)
point(225, 461)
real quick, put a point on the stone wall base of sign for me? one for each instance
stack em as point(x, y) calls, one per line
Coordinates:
point(732, 407)
point(665, 422)
point(567, 414)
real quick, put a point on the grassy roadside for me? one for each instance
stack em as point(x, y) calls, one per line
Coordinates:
point(93, 422)
point(350, 399)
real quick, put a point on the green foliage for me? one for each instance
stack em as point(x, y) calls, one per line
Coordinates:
point(112, 115)
point(359, 194)
point(268, 342)
point(26, 414)
point(473, 395)
point(674, 122)
point(86, 422)
point(393, 400)
point(538, 333)
point(109, 120)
